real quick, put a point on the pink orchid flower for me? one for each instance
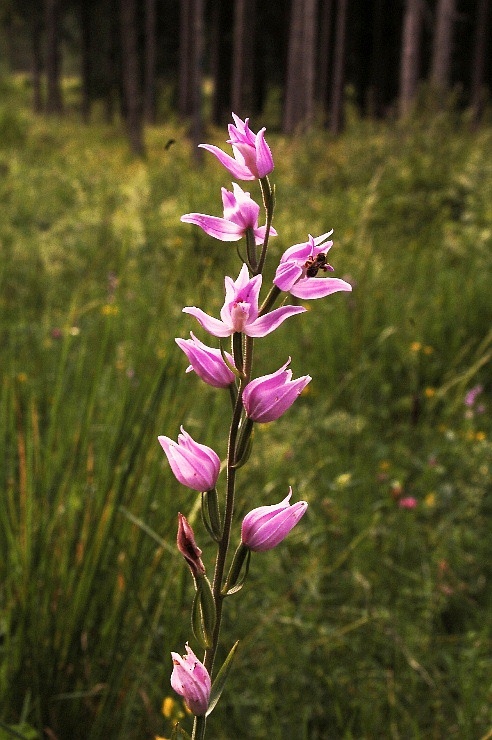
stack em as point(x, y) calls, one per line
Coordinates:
point(240, 214)
point(191, 680)
point(263, 528)
point(299, 266)
point(252, 156)
point(240, 310)
point(207, 362)
point(194, 465)
point(266, 398)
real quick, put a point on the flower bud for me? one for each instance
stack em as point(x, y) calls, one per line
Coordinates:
point(266, 398)
point(194, 465)
point(191, 680)
point(263, 528)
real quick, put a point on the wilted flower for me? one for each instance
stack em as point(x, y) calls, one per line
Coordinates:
point(191, 680)
point(207, 362)
point(266, 526)
point(299, 266)
point(266, 398)
point(252, 156)
point(188, 547)
point(194, 465)
point(240, 310)
point(240, 213)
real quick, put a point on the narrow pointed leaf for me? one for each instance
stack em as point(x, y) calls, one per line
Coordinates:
point(220, 680)
point(197, 622)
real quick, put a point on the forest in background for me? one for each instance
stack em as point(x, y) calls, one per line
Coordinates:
point(145, 60)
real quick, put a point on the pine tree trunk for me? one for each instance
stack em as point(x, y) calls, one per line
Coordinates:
point(443, 41)
point(410, 55)
point(185, 92)
point(301, 65)
point(220, 62)
point(477, 98)
point(375, 93)
point(337, 98)
point(85, 34)
point(111, 76)
point(325, 54)
point(36, 61)
point(54, 103)
point(150, 61)
point(243, 57)
point(197, 77)
point(131, 76)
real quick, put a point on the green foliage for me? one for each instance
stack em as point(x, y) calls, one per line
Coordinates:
point(371, 620)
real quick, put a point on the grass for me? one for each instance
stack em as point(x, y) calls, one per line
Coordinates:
point(371, 621)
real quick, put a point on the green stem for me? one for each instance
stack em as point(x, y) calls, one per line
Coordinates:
point(199, 728)
point(269, 203)
point(251, 250)
point(269, 300)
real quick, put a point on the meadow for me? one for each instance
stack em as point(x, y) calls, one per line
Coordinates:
point(373, 620)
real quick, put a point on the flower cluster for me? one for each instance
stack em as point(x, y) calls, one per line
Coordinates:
point(301, 273)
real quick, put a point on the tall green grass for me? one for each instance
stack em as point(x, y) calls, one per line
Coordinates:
point(372, 621)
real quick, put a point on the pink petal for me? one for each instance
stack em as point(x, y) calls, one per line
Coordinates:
point(264, 159)
point(270, 321)
point(213, 326)
point(318, 287)
point(219, 228)
point(260, 233)
point(319, 239)
point(235, 168)
point(286, 275)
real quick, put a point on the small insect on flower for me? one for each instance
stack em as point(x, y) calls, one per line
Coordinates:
point(313, 264)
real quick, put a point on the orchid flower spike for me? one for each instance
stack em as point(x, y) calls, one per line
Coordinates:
point(240, 310)
point(194, 465)
point(191, 680)
point(240, 214)
point(265, 527)
point(252, 156)
point(299, 266)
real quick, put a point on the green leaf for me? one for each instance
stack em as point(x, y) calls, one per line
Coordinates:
point(197, 622)
point(220, 679)
point(234, 582)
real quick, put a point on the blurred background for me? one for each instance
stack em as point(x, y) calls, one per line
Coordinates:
point(373, 619)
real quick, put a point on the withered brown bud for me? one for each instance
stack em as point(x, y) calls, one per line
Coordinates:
point(188, 547)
